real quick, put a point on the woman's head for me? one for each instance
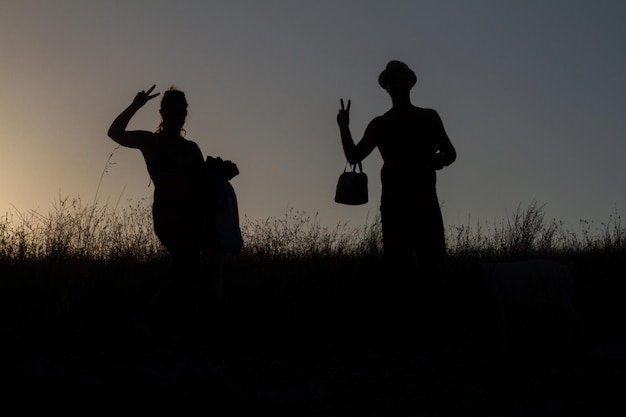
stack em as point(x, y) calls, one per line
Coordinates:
point(173, 111)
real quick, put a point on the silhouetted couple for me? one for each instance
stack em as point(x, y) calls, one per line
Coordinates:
point(413, 144)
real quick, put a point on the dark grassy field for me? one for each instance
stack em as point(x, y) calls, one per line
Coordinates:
point(303, 327)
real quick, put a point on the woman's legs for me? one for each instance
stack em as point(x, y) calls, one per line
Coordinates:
point(177, 234)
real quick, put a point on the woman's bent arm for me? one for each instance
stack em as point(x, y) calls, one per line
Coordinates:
point(117, 130)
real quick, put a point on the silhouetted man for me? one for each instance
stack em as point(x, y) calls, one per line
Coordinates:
point(414, 145)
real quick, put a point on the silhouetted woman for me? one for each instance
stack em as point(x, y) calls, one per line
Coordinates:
point(174, 164)
point(414, 145)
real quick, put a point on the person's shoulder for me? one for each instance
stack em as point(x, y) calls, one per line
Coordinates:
point(381, 118)
point(427, 113)
point(425, 110)
point(194, 148)
point(378, 123)
point(190, 143)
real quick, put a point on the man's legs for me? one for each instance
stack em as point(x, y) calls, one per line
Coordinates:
point(412, 224)
point(428, 235)
point(398, 283)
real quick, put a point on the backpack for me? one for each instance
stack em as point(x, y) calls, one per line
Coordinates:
point(222, 201)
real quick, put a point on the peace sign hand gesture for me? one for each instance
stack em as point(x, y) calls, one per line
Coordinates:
point(343, 117)
point(143, 96)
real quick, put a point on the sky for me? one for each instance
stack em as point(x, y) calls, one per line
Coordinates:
point(531, 93)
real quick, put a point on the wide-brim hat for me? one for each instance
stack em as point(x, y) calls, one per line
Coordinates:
point(396, 67)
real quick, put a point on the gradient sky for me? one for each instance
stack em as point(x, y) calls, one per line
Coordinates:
point(532, 95)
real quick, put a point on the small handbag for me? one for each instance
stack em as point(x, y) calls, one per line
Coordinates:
point(352, 186)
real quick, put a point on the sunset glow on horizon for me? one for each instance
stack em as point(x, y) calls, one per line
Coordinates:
point(531, 95)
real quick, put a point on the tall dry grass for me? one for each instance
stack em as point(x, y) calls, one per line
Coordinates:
point(88, 266)
point(527, 233)
point(75, 230)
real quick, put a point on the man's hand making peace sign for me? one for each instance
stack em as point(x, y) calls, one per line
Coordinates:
point(343, 117)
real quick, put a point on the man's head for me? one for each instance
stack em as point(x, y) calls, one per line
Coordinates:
point(397, 76)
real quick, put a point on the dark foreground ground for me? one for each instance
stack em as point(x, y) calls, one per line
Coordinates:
point(317, 376)
point(305, 380)
point(73, 347)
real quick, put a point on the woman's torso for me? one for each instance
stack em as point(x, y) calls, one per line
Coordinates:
point(174, 165)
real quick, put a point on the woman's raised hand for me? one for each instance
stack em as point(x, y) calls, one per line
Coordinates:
point(343, 117)
point(143, 96)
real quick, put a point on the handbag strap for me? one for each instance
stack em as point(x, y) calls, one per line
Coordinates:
point(353, 166)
